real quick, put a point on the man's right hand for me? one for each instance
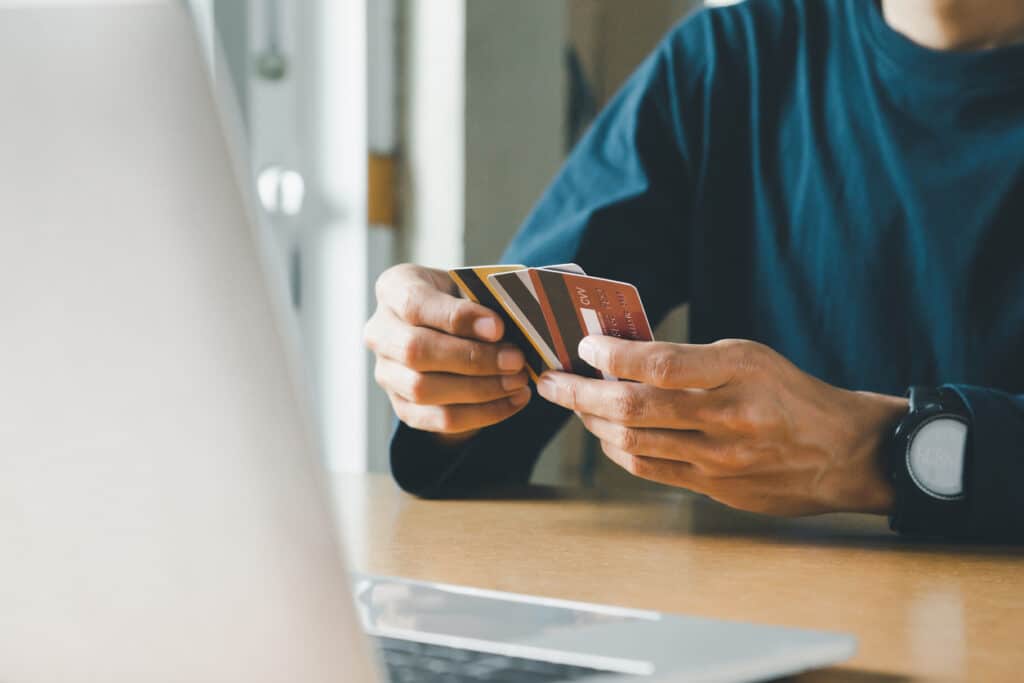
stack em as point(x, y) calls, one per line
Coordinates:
point(439, 358)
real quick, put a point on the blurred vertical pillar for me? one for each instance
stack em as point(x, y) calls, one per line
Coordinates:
point(331, 140)
point(382, 200)
point(433, 86)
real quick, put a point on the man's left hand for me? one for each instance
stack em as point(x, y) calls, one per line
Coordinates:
point(736, 421)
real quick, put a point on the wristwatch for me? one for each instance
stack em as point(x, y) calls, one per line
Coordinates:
point(927, 457)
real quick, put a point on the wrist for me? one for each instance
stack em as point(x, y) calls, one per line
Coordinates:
point(867, 487)
point(929, 453)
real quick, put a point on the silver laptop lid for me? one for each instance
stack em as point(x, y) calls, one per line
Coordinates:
point(162, 513)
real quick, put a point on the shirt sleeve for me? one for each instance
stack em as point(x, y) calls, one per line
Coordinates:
point(994, 468)
point(619, 208)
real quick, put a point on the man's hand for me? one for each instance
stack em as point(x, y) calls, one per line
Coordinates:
point(736, 421)
point(439, 358)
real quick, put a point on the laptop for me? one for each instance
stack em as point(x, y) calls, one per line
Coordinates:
point(164, 515)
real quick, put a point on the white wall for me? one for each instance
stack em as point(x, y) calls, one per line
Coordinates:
point(516, 95)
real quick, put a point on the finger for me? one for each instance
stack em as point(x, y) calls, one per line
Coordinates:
point(679, 474)
point(665, 444)
point(429, 388)
point(419, 301)
point(459, 418)
point(669, 366)
point(426, 350)
point(634, 405)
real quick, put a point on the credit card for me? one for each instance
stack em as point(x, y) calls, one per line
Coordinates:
point(517, 295)
point(576, 306)
point(515, 292)
point(472, 282)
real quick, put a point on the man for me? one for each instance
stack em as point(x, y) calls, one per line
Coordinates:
point(837, 189)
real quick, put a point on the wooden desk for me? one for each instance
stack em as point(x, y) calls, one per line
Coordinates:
point(921, 611)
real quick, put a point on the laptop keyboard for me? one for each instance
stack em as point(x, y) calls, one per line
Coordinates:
point(410, 662)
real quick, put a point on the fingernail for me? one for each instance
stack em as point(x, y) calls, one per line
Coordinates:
point(485, 328)
point(510, 359)
point(512, 382)
point(520, 399)
point(546, 387)
point(587, 350)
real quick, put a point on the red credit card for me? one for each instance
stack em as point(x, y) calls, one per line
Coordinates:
point(576, 306)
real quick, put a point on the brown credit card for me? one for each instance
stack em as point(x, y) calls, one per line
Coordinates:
point(576, 306)
point(473, 284)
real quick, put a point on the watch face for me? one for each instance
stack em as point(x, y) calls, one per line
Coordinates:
point(935, 457)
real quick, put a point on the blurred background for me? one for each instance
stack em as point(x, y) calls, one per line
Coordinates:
point(384, 131)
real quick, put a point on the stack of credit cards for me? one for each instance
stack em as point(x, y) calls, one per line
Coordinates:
point(548, 311)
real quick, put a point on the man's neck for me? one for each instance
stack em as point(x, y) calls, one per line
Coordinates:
point(957, 24)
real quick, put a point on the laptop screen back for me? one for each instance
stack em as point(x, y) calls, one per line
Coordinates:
point(162, 512)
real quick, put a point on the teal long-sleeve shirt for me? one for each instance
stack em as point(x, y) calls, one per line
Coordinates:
point(804, 176)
